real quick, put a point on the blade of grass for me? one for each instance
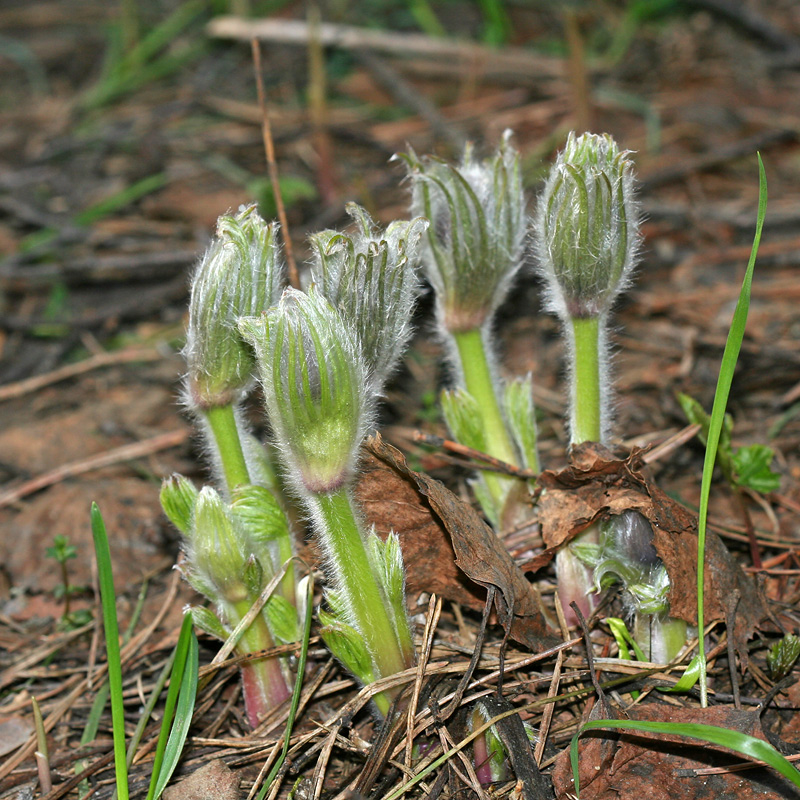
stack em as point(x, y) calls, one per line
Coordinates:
point(729, 359)
point(749, 746)
point(111, 628)
point(298, 688)
point(180, 697)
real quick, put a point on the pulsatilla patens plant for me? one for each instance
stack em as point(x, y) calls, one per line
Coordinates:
point(236, 538)
point(587, 240)
point(586, 236)
point(471, 254)
point(321, 403)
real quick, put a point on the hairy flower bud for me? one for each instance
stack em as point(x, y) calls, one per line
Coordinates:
point(475, 244)
point(218, 553)
point(240, 274)
point(587, 226)
point(370, 278)
point(178, 497)
point(315, 387)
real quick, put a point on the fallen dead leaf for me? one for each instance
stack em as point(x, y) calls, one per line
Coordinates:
point(14, 731)
point(479, 554)
point(214, 781)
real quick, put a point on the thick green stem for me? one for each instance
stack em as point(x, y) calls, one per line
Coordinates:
point(360, 587)
point(222, 422)
point(587, 412)
point(478, 382)
point(575, 581)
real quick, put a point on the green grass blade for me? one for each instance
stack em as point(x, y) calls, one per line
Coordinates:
point(180, 698)
point(111, 628)
point(729, 358)
point(298, 688)
point(749, 746)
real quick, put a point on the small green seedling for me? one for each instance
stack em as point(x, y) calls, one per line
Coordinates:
point(783, 656)
point(745, 467)
point(62, 551)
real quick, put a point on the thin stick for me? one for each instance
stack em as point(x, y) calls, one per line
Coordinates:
point(21, 388)
point(269, 149)
point(125, 453)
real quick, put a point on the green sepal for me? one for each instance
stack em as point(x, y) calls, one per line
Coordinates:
point(208, 622)
point(253, 575)
point(463, 417)
point(281, 618)
point(347, 645)
point(178, 497)
point(218, 550)
point(387, 559)
point(264, 520)
point(521, 416)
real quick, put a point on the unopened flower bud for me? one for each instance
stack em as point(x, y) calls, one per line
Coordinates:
point(178, 497)
point(475, 244)
point(315, 388)
point(370, 278)
point(218, 552)
point(587, 226)
point(240, 275)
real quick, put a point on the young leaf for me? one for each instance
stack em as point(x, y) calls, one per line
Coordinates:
point(111, 628)
point(751, 468)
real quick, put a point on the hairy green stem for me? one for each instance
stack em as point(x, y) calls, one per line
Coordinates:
point(478, 382)
point(587, 399)
point(387, 641)
point(575, 579)
point(264, 683)
point(222, 422)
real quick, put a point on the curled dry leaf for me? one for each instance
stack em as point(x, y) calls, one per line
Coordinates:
point(448, 548)
point(597, 485)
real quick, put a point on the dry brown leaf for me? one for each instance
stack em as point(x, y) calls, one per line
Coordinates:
point(479, 554)
point(213, 781)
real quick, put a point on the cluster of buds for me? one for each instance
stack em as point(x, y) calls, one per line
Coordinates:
point(232, 552)
point(321, 404)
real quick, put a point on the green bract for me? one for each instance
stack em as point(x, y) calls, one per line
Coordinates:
point(587, 226)
point(240, 274)
point(476, 240)
point(315, 387)
point(370, 278)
